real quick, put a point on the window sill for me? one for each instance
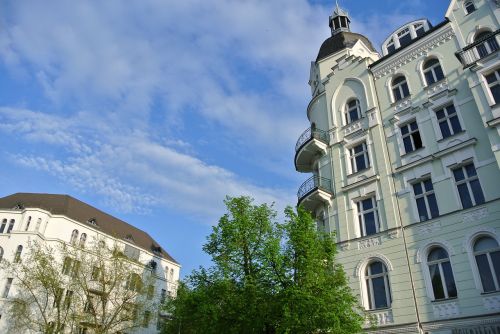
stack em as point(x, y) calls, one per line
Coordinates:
point(379, 309)
point(450, 137)
point(434, 84)
point(410, 153)
point(404, 99)
point(353, 122)
point(437, 301)
point(489, 293)
point(361, 171)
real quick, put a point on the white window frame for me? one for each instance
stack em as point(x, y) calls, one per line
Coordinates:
point(468, 245)
point(424, 195)
point(347, 114)
point(441, 272)
point(367, 279)
point(352, 157)
point(409, 134)
point(495, 83)
point(360, 214)
point(467, 181)
point(398, 86)
point(447, 119)
point(432, 70)
point(496, 280)
point(7, 287)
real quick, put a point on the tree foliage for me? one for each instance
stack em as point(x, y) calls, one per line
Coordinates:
point(61, 288)
point(267, 277)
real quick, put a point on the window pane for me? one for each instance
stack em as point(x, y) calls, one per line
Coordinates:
point(407, 144)
point(477, 192)
point(370, 224)
point(484, 244)
point(437, 285)
point(391, 48)
point(405, 40)
point(470, 170)
point(429, 78)
point(417, 188)
point(430, 63)
point(379, 292)
point(353, 114)
point(495, 91)
point(455, 124)
point(440, 113)
point(450, 281)
point(413, 126)
point(433, 205)
point(406, 91)
point(428, 185)
point(367, 204)
point(439, 73)
point(495, 259)
point(490, 78)
point(420, 31)
point(358, 149)
point(459, 174)
point(485, 273)
point(422, 210)
point(360, 162)
point(404, 130)
point(417, 140)
point(376, 268)
point(397, 94)
point(437, 254)
point(445, 130)
point(464, 195)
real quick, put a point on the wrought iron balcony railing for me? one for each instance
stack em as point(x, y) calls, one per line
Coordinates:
point(479, 49)
point(312, 183)
point(309, 134)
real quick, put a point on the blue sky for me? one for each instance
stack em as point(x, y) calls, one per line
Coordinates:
point(155, 110)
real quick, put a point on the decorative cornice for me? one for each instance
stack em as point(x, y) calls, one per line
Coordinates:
point(418, 50)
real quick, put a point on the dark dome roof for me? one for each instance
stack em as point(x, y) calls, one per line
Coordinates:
point(341, 41)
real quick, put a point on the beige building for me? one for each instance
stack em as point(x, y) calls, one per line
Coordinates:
point(404, 152)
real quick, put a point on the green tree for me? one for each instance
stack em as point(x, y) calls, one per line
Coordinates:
point(267, 277)
point(60, 288)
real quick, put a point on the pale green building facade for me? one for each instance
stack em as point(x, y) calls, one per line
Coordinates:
point(404, 149)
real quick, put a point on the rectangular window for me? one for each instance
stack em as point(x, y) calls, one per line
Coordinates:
point(448, 121)
point(419, 29)
point(404, 37)
point(493, 80)
point(425, 200)
point(67, 264)
point(359, 157)
point(11, 226)
point(411, 137)
point(368, 216)
point(67, 299)
point(468, 185)
point(6, 289)
point(146, 319)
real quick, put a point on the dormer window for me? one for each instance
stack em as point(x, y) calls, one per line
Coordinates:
point(469, 7)
point(419, 29)
point(390, 46)
point(129, 238)
point(404, 37)
point(92, 221)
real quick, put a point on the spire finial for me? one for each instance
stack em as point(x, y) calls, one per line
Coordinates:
point(339, 21)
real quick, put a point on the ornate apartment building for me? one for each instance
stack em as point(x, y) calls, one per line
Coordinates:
point(404, 149)
point(63, 220)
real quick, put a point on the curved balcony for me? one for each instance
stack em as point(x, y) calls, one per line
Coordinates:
point(311, 143)
point(478, 50)
point(314, 191)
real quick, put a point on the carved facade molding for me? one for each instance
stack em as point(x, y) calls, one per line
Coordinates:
point(492, 303)
point(475, 215)
point(446, 310)
point(413, 53)
point(370, 242)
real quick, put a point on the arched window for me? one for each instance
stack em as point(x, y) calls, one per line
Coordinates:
point(432, 71)
point(166, 272)
point(83, 238)
point(469, 7)
point(400, 88)
point(4, 224)
point(487, 254)
point(377, 286)
point(172, 275)
point(1, 253)
point(352, 111)
point(17, 256)
point(11, 225)
point(443, 283)
point(487, 45)
point(28, 224)
point(38, 223)
point(74, 237)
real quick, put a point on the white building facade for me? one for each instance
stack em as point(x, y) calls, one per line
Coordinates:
point(60, 219)
point(404, 151)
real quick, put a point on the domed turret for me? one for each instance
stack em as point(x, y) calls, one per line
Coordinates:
point(339, 20)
